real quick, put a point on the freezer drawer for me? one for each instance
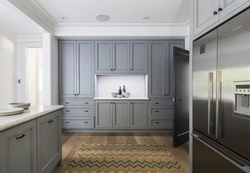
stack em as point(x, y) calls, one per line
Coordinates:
point(207, 159)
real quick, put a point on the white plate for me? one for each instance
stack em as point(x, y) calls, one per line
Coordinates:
point(10, 111)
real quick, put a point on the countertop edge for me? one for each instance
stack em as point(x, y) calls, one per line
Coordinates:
point(28, 118)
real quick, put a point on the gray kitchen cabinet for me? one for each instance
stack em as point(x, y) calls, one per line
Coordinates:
point(104, 114)
point(161, 60)
point(67, 54)
point(85, 85)
point(18, 149)
point(104, 57)
point(120, 57)
point(138, 57)
point(138, 112)
point(49, 137)
point(76, 69)
point(121, 114)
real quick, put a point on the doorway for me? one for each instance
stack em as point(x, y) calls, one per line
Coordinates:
point(34, 75)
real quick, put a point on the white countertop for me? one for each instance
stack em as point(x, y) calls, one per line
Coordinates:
point(130, 98)
point(33, 112)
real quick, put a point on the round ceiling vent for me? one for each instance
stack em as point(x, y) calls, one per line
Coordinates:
point(102, 17)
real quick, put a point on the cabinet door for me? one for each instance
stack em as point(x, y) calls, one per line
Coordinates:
point(169, 66)
point(103, 114)
point(103, 60)
point(138, 57)
point(67, 54)
point(206, 14)
point(229, 6)
point(120, 114)
point(120, 57)
point(85, 69)
point(17, 148)
point(138, 114)
point(48, 141)
point(158, 56)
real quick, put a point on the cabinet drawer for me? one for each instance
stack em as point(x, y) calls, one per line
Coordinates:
point(161, 111)
point(82, 123)
point(160, 102)
point(78, 103)
point(161, 124)
point(75, 111)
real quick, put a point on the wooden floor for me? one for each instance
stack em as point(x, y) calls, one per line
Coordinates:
point(72, 142)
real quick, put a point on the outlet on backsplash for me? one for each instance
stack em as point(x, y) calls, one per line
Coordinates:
point(137, 85)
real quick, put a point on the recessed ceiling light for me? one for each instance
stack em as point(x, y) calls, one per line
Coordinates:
point(64, 18)
point(145, 18)
point(102, 17)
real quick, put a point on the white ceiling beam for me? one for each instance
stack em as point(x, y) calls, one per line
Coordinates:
point(36, 13)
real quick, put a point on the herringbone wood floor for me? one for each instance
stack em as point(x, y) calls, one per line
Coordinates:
point(72, 142)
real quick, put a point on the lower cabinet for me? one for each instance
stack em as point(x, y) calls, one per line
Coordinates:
point(32, 147)
point(138, 114)
point(17, 148)
point(121, 114)
point(78, 123)
point(49, 144)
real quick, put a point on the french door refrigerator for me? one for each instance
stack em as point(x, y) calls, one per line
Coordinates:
point(221, 98)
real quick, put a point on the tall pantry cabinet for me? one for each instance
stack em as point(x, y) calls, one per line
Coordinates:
point(76, 83)
point(160, 83)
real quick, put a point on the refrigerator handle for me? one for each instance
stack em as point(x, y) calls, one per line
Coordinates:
point(218, 102)
point(231, 159)
point(210, 99)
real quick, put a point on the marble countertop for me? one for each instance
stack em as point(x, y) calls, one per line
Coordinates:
point(33, 112)
point(130, 98)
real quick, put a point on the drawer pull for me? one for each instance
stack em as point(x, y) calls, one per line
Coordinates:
point(86, 102)
point(67, 110)
point(86, 122)
point(156, 103)
point(156, 122)
point(67, 122)
point(66, 102)
point(20, 137)
point(51, 121)
point(86, 111)
point(156, 111)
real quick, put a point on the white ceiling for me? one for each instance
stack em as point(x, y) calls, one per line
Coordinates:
point(15, 23)
point(119, 11)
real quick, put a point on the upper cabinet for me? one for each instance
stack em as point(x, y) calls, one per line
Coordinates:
point(76, 69)
point(207, 13)
point(160, 61)
point(138, 57)
point(121, 57)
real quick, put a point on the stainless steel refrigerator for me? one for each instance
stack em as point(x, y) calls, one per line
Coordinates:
point(221, 98)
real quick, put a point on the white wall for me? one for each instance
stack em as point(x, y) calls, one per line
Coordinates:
point(7, 79)
point(50, 69)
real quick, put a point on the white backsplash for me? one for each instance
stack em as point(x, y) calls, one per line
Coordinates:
point(135, 84)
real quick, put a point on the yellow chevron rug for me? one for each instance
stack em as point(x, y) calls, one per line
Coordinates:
point(123, 158)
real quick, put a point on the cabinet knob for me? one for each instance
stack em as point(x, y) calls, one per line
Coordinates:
point(51, 121)
point(219, 9)
point(215, 12)
point(20, 137)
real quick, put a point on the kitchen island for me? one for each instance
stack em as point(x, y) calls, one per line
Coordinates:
point(31, 142)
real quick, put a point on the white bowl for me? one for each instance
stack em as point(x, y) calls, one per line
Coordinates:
point(19, 105)
point(126, 95)
point(114, 94)
point(119, 96)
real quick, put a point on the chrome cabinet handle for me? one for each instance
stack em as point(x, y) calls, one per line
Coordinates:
point(67, 122)
point(156, 111)
point(86, 122)
point(86, 102)
point(156, 122)
point(86, 111)
point(220, 9)
point(156, 103)
point(51, 121)
point(20, 137)
point(66, 102)
point(67, 111)
point(215, 12)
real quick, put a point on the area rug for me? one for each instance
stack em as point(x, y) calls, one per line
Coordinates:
point(123, 158)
